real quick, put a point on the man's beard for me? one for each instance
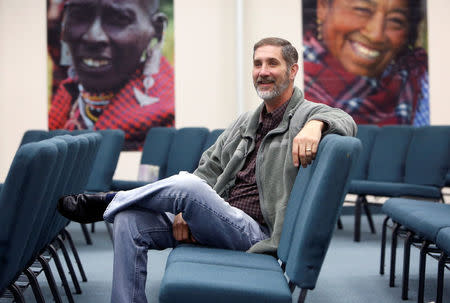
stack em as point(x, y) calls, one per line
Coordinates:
point(277, 90)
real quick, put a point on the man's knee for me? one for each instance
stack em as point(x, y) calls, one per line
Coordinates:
point(187, 183)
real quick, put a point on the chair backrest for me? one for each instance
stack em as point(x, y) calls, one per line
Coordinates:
point(316, 208)
point(428, 156)
point(212, 138)
point(185, 150)
point(387, 160)
point(53, 218)
point(39, 225)
point(81, 164)
point(156, 148)
point(106, 160)
point(366, 134)
point(34, 135)
point(23, 193)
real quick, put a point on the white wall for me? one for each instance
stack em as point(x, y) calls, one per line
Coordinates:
point(204, 64)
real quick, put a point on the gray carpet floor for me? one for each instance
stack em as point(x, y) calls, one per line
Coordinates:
point(349, 273)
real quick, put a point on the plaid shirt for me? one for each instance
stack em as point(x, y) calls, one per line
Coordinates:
point(398, 96)
point(124, 111)
point(244, 195)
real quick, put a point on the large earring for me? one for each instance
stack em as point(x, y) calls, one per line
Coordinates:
point(152, 57)
point(319, 29)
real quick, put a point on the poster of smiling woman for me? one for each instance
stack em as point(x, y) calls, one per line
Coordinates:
point(111, 66)
point(368, 58)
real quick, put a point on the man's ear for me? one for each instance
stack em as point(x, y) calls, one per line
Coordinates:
point(293, 71)
point(159, 21)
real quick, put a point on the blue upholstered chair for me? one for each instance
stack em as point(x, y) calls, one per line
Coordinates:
point(106, 159)
point(443, 242)
point(186, 150)
point(397, 167)
point(22, 195)
point(426, 167)
point(421, 222)
point(382, 161)
point(172, 150)
point(155, 152)
point(40, 173)
point(100, 177)
point(199, 274)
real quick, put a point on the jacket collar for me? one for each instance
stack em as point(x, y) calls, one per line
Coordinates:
point(249, 129)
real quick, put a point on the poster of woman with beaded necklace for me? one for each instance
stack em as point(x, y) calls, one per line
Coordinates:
point(111, 66)
point(368, 57)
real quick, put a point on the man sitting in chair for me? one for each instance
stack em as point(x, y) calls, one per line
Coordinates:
point(236, 199)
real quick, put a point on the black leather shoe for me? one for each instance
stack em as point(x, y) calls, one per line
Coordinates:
point(83, 208)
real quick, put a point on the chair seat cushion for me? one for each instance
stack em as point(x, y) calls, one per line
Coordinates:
point(392, 189)
point(194, 282)
point(443, 240)
point(422, 217)
point(199, 254)
point(126, 184)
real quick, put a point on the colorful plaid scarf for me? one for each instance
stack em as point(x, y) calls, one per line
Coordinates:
point(391, 99)
point(124, 111)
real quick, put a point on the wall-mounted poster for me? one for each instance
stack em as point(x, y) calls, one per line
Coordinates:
point(368, 57)
point(111, 66)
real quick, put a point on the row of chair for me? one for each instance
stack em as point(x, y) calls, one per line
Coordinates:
point(399, 161)
point(199, 274)
point(172, 150)
point(425, 225)
point(32, 229)
point(105, 163)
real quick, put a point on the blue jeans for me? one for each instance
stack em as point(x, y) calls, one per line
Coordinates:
point(143, 220)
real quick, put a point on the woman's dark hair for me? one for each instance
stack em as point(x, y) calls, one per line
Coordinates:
point(416, 9)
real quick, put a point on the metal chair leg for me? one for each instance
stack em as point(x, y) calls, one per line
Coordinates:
point(92, 227)
point(86, 234)
point(393, 255)
point(291, 286)
point(75, 254)
point(422, 266)
point(69, 265)
point(50, 279)
point(62, 275)
point(339, 224)
point(365, 204)
point(34, 285)
point(406, 261)
point(18, 296)
point(383, 245)
point(302, 297)
point(440, 277)
point(357, 231)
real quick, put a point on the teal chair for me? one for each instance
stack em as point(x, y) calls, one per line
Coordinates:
point(422, 179)
point(172, 150)
point(199, 274)
point(386, 163)
point(23, 194)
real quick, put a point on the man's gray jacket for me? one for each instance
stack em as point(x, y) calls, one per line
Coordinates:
point(275, 170)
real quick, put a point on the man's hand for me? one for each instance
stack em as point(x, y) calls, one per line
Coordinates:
point(181, 231)
point(305, 144)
